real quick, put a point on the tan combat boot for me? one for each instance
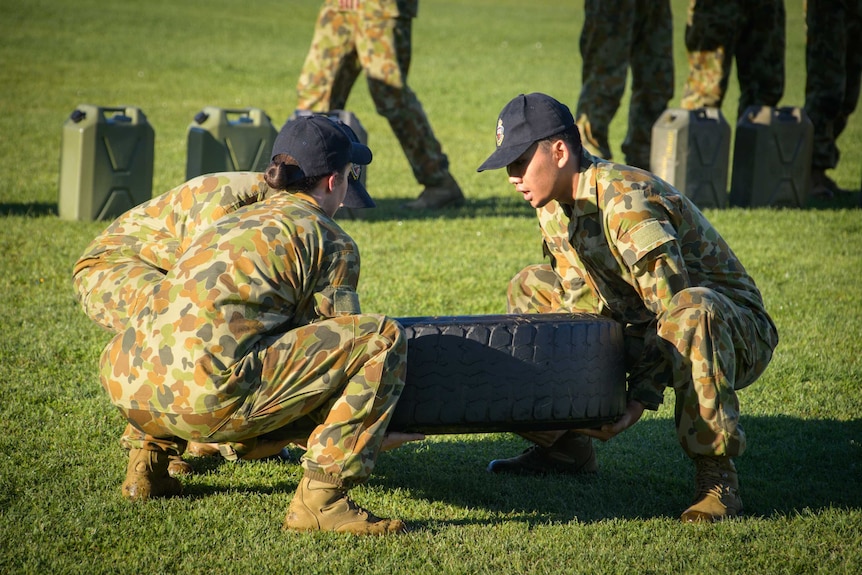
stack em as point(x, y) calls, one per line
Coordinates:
point(447, 194)
point(147, 476)
point(717, 494)
point(319, 506)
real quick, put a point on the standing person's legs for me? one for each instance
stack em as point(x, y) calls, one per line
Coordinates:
point(331, 65)
point(834, 72)
point(652, 77)
point(711, 34)
point(384, 46)
point(605, 46)
point(760, 55)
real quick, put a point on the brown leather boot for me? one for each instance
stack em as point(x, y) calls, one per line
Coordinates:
point(319, 506)
point(571, 454)
point(717, 494)
point(147, 476)
point(448, 194)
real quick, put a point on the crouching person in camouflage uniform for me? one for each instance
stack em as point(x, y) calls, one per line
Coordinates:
point(257, 325)
point(116, 274)
point(626, 244)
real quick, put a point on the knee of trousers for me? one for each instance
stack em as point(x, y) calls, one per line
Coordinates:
point(526, 284)
point(387, 327)
point(395, 102)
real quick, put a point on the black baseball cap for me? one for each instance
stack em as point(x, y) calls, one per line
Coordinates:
point(523, 121)
point(322, 146)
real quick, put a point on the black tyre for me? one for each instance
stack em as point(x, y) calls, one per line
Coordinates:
point(482, 374)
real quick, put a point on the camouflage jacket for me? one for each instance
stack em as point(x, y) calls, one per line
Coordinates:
point(159, 230)
point(124, 262)
point(255, 273)
point(631, 241)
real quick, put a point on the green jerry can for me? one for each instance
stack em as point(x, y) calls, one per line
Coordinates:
point(691, 151)
point(351, 120)
point(106, 162)
point(772, 157)
point(229, 140)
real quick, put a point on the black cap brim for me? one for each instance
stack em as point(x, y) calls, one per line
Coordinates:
point(359, 153)
point(357, 196)
point(504, 156)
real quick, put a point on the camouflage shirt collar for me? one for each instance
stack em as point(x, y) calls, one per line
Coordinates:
point(586, 194)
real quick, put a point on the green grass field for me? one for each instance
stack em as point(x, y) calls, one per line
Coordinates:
point(60, 464)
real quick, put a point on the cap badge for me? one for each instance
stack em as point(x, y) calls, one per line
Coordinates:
point(500, 131)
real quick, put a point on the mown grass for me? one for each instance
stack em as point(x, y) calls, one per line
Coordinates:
point(60, 468)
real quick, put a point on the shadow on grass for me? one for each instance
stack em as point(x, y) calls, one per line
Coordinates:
point(36, 209)
point(389, 209)
point(843, 200)
point(791, 465)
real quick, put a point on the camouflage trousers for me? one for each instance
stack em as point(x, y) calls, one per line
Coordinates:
point(344, 373)
point(749, 32)
point(710, 348)
point(618, 37)
point(345, 43)
point(834, 72)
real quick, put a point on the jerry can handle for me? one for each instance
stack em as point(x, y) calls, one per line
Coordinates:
point(79, 115)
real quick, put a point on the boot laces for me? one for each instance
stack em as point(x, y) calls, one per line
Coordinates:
point(711, 479)
point(346, 500)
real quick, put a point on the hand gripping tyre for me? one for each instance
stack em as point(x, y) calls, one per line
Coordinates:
point(532, 372)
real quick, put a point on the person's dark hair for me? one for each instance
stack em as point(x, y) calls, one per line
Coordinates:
point(571, 136)
point(283, 173)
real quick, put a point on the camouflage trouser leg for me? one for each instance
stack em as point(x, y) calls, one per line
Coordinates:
point(834, 72)
point(715, 348)
point(537, 289)
point(710, 39)
point(760, 56)
point(115, 288)
point(652, 78)
point(605, 46)
point(634, 35)
point(711, 346)
point(384, 52)
point(347, 42)
point(331, 65)
point(749, 32)
point(346, 373)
